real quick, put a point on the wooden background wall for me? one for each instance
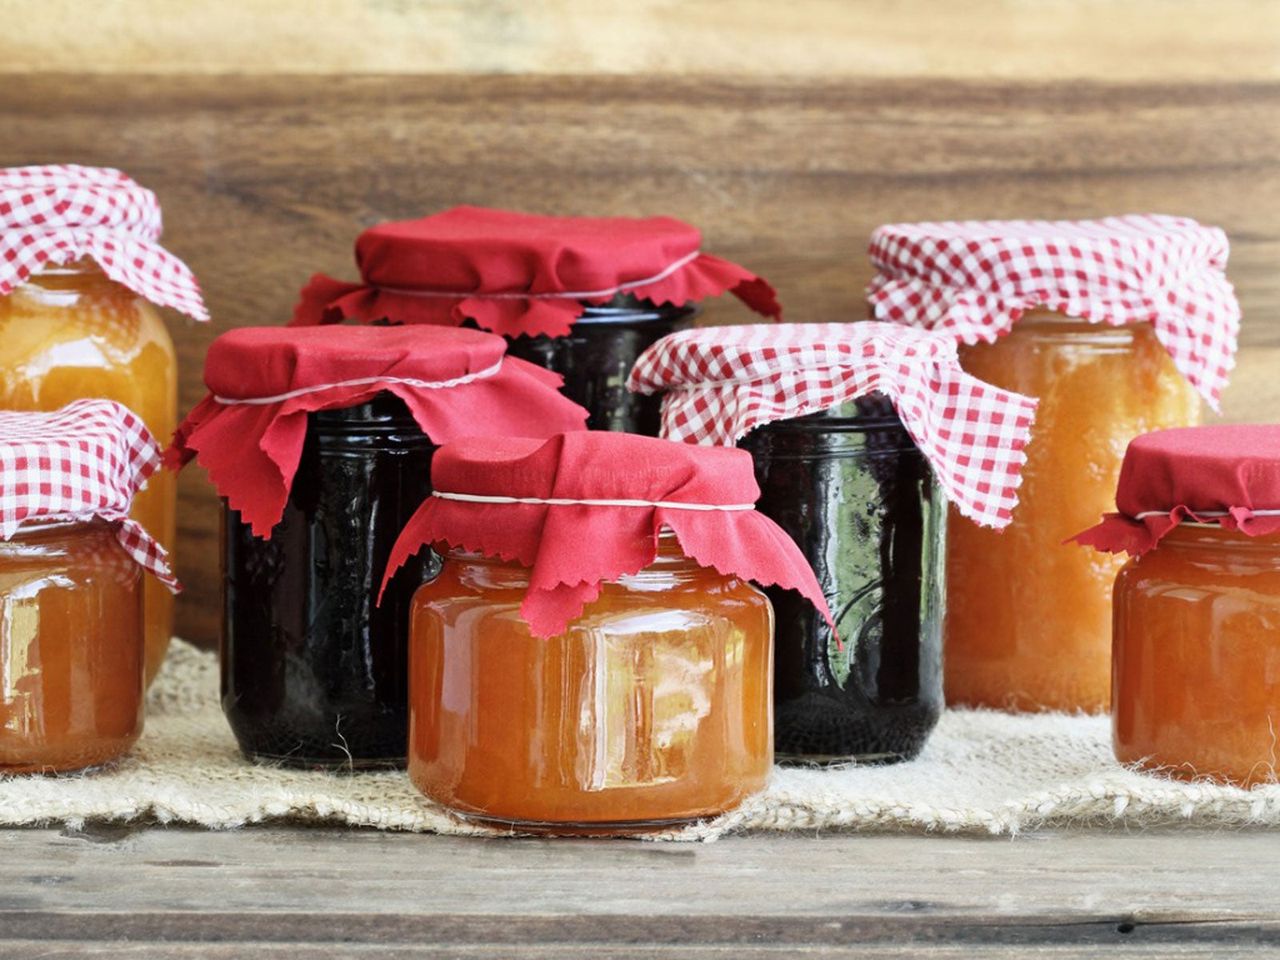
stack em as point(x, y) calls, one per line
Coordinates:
point(274, 133)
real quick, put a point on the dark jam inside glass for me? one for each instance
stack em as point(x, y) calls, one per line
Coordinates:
point(855, 493)
point(313, 671)
point(597, 355)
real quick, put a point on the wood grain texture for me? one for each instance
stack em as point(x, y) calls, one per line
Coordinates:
point(1009, 39)
point(146, 893)
point(265, 180)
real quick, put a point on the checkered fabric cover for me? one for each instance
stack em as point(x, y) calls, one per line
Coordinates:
point(82, 462)
point(975, 279)
point(722, 382)
point(59, 214)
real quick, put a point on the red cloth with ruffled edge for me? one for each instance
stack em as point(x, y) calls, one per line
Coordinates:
point(572, 548)
point(1219, 474)
point(519, 273)
point(251, 450)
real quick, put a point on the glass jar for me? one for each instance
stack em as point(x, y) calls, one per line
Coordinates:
point(313, 669)
point(596, 357)
point(1197, 657)
point(1028, 621)
point(69, 333)
point(858, 497)
point(651, 709)
point(71, 631)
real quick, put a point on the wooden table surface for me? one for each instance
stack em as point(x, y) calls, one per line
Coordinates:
point(149, 892)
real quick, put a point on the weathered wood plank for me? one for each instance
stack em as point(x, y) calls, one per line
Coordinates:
point(1137, 39)
point(265, 180)
point(131, 892)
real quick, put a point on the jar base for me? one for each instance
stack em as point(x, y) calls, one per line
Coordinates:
point(610, 828)
point(345, 764)
point(836, 760)
point(82, 765)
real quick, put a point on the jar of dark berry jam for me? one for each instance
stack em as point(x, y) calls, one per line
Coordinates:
point(321, 440)
point(859, 433)
point(597, 354)
point(582, 296)
point(313, 671)
point(857, 495)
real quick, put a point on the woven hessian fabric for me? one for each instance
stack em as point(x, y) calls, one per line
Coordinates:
point(982, 772)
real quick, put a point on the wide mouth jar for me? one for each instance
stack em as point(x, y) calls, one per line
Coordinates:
point(1196, 650)
point(650, 710)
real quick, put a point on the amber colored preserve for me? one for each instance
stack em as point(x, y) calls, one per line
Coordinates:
point(1028, 618)
point(653, 708)
point(1197, 657)
point(71, 649)
point(69, 333)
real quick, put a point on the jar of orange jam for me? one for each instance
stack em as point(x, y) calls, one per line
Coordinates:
point(71, 627)
point(574, 668)
point(1197, 607)
point(71, 600)
point(653, 707)
point(1113, 325)
point(69, 331)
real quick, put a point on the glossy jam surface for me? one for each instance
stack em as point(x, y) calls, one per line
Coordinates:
point(313, 670)
point(1197, 657)
point(71, 648)
point(858, 497)
point(70, 333)
point(596, 357)
point(1028, 617)
point(652, 708)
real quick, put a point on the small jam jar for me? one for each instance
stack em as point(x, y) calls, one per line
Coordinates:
point(582, 296)
point(320, 440)
point(90, 326)
point(71, 600)
point(1196, 642)
point(1113, 325)
point(840, 470)
point(578, 671)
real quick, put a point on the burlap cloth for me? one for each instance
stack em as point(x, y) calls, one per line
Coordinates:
point(982, 772)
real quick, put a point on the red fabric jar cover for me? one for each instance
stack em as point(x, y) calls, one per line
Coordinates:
point(723, 382)
point(519, 273)
point(83, 462)
point(584, 508)
point(263, 381)
point(975, 279)
point(59, 214)
point(1227, 475)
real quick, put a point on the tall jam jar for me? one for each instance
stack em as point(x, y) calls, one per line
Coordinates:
point(1196, 636)
point(582, 296)
point(829, 413)
point(1114, 325)
point(79, 318)
point(71, 600)
point(320, 441)
point(583, 672)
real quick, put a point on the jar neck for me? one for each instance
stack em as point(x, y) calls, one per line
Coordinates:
point(1051, 326)
point(626, 309)
point(41, 534)
point(75, 275)
point(1197, 537)
point(670, 566)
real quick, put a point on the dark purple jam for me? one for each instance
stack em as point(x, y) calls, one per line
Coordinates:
point(857, 495)
point(597, 355)
point(313, 672)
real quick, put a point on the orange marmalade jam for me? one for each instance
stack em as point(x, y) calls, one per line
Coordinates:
point(71, 648)
point(653, 708)
point(1197, 657)
point(70, 333)
point(1028, 622)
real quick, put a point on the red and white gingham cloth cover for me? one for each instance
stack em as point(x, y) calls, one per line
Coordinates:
point(974, 279)
point(722, 382)
point(84, 461)
point(59, 214)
